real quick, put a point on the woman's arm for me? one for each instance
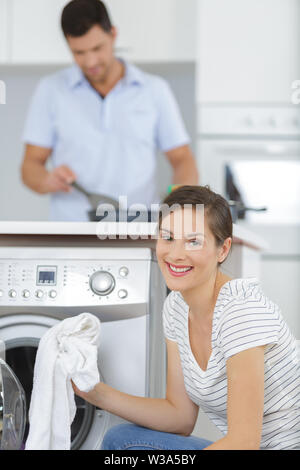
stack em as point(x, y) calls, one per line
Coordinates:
point(176, 413)
point(245, 401)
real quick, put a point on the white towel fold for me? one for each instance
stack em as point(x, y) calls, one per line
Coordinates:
point(67, 351)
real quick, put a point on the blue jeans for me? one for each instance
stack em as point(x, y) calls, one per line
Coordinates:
point(131, 437)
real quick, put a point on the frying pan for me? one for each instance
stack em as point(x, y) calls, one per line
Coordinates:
point(97, 199)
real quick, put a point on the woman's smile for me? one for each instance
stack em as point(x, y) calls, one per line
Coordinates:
point(178, 270)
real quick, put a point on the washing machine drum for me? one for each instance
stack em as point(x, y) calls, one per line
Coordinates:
point(21, 335)
point(12, 409)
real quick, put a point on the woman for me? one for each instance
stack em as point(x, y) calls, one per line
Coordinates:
point(229, 349)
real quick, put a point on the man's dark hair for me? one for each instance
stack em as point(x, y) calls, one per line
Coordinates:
point(79, 16)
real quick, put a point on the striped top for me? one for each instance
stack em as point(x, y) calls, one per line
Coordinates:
point(243, 318)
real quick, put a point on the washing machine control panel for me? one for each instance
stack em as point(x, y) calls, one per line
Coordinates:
point(73, 282)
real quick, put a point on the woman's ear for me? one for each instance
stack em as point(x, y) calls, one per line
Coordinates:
point(114, 32)
point(224, 250)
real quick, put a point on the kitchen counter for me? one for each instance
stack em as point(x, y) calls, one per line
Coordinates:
point(112, 230)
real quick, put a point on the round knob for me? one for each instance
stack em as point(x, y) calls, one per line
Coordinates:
point(102, 283)
point(122, 293)
point(52, 294)
point(39, 294)
point(25, 294)
point(12, 293)
point(123, 271)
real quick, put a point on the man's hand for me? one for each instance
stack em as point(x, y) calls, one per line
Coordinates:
point(38, 178)
point(59, 179)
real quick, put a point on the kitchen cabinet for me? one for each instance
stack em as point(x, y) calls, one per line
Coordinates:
point(149, 31)
point(3, 31)
point(248, 51)
point(156, 30)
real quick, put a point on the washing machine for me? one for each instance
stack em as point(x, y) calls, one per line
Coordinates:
point(122, 286)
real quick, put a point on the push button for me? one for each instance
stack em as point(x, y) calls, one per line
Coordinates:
point(12, 294)
point(122, 293)
point(39, 294)
point(52, 294)
point(123, 271)
point(25, 294)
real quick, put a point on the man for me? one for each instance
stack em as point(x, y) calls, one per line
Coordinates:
point(101, 121)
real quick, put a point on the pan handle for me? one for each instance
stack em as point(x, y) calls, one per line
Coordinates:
point(80, 188)
point(240, 206)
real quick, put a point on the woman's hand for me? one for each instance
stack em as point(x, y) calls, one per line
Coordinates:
point(76, 390)
point(92, 396)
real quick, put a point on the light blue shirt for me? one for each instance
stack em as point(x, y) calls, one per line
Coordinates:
point(111, 144)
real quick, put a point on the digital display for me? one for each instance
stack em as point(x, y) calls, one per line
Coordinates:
point(46, 275)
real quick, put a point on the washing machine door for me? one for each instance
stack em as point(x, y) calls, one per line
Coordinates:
point(12, 409)
point(21, 335)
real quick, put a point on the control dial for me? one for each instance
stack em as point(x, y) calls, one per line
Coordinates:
point(102, 283)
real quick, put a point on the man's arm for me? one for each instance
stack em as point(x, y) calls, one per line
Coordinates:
point(184, 165)
point(38, 178)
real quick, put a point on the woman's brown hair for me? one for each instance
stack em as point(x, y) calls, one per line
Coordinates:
point(215, 207)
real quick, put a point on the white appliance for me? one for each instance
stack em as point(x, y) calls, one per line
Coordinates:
point(235, 134)
point(41, 285)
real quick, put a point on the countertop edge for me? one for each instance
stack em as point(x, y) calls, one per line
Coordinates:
point(111, 229)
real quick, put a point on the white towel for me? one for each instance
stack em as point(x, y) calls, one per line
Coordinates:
point(67, 351)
